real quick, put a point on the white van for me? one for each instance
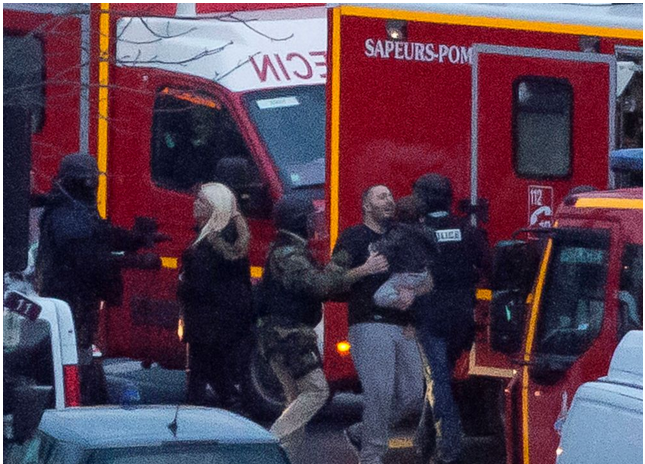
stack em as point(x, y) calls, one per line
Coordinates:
point(605, 422)
point(39, 343)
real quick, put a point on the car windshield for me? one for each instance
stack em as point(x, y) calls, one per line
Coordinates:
point(574, 293)
point(191, 454)
point(291, 123)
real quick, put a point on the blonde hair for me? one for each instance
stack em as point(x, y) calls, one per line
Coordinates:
point(221, 207)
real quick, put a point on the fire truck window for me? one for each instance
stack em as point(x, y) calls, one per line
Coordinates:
point(23, 76)
point(542, 121)
point(574, 294)
point(631, 290)
point(191, 134)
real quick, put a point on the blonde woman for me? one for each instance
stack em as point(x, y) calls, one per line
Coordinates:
point(215, 292)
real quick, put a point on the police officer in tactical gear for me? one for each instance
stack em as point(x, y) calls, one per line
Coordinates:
point(76, 263)
point(444, 320)
point(292, 291)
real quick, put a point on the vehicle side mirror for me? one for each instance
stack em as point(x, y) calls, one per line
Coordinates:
point(515, 264)
point(253, 195)
point(549, 370)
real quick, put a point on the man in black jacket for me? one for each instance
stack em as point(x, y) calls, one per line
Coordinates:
point(444, 320)
point(383, 348)
point(75, 261)
point(292, 291)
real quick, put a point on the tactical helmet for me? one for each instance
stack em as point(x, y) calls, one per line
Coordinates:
point(78, 166)
point(78, 175)
point(434, 191)
point(292, 213)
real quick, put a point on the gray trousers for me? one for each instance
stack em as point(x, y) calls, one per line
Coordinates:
point(390, 370)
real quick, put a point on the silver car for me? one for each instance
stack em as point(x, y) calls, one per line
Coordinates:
point(147, 434)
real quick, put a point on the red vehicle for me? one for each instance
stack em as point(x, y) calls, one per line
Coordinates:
point(515, 103)
point(169, 96)
point(587, 295)
point(138, 84)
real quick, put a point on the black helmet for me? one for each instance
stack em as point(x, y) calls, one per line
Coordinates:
point(434, 191)
point(78, 175)
point(292, 213)
point(78, 166)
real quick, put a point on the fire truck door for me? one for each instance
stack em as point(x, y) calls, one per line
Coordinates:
point(542, 123)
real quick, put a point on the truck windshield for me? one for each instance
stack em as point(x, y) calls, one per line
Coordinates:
point(291, 123)
point(574, 294)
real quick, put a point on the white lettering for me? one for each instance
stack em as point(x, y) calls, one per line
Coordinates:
point(389, 48)
point(453, 55)
point(448, 235)
point(443, 52)
point(369, 48)
point(379, 52)
point(466, 55)
point(409, 47)
point(430, 54)
point(398, 53)
point(418, 52)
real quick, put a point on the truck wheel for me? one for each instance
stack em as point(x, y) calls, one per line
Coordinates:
point(262, 390)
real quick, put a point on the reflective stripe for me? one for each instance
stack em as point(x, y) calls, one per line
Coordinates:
point(530, 337)
point(496, 23)
point(334, 165)
point(102, 139)
point(169, 262)
point(610, 203)
point(484, 294)
point(474, 369)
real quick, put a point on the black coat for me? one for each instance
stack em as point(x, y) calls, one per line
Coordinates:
point(215, 294)
point(75, 261)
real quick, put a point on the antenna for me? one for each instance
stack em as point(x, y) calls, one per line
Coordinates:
point(173, 425)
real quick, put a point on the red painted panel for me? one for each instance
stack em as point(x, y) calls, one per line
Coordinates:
point(402, 118)
point(507, 191)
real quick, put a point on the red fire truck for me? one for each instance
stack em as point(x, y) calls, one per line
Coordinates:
point(516, 104)
point(169, 96)
point(588, 293)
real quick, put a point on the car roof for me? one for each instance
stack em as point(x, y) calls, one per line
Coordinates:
point(627, 362)
point(114, 426)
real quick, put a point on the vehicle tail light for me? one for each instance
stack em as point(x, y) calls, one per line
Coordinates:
point(72, 385)
point(343, 348)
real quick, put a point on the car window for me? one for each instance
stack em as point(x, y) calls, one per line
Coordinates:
point(192, 133)
point(43, 449)
point(574, 293)
point(542, 113)
point(192, 454)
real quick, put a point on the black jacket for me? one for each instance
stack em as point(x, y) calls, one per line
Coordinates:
point(460, 259)
point(75, 260)
point(215, 294)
